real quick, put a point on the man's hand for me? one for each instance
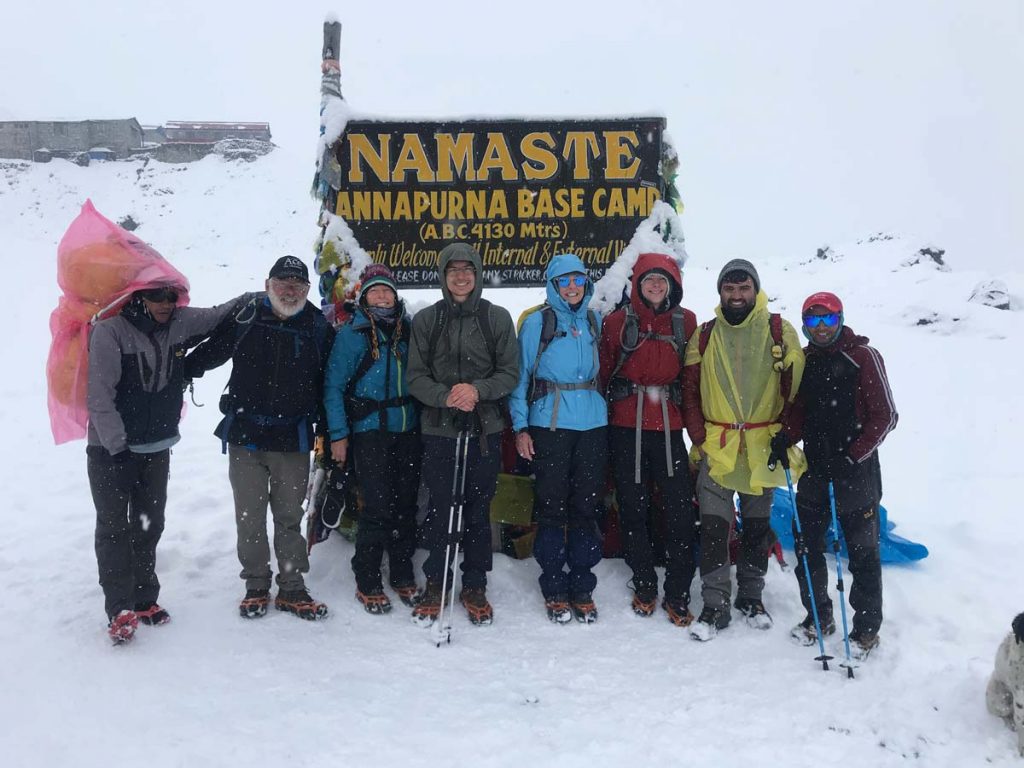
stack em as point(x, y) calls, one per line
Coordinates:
point(779, 452)
point(524, 445)
point(339, 451)
point(463, 397)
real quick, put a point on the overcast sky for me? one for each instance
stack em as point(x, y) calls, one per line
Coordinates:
point(798, 124)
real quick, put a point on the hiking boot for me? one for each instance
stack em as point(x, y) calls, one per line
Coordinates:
point(754, 611)
point(805, 633)
point(583, 608)
point(121, 628)
point(709, 623)
point(558, 610)
point(645, 601)
point(862, 644)
point(427, 605)
point(151, 614)
point(254, 604)
point(299, 603)
point(475, 601)
point(374, 601)
point(408, 593)
point(678, 611)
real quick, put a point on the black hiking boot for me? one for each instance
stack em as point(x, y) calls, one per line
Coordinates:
point(151, 614)
point(427, 605)
point(645, 601)
point(708, 624)
point(583, 608)
point(407, 592)
point(299, 603)
point(474, 599)
point(862, 644)
point(254, 604)
point(805, 633)
point(754, 611)
point(374, 601)
point(678, 611)
point(558, 610)
point(121, 628)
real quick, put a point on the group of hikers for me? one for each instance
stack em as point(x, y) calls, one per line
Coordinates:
point(589, 398)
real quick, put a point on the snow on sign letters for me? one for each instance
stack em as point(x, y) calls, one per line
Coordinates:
point(519, 191)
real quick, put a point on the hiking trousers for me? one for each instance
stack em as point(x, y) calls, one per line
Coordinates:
point(387, 468)
point(481, 483)
point(129, 497)
point(717, 513)
point(676, 496)
point(569, 469)
point(861, 529)
point(278, 478)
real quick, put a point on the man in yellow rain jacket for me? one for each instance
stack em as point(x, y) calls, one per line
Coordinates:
point(742, 368)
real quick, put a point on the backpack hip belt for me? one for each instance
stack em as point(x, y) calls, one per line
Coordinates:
point(542, 387)
point(641, 394)
point(740, 426)
point(620, 388)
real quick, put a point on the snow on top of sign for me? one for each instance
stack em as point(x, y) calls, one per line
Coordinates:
point(339, 231)
point(648, 238)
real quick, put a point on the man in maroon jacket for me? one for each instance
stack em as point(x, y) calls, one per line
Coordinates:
point(843, 411)
point(642, 348)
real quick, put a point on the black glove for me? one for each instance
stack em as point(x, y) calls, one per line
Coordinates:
point(840, 467)
point(778, 455)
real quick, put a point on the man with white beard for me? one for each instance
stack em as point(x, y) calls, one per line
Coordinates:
point(279, 344)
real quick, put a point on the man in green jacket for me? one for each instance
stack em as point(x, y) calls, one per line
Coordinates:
point(463, 362)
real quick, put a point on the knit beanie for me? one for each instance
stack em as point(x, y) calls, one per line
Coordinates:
point(739, 265)
point(377, 274)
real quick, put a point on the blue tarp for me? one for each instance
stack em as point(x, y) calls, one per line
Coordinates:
point(894, 549)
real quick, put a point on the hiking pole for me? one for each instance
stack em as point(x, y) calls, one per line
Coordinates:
point(801, 551)
point(839, 578)
point(444, 625)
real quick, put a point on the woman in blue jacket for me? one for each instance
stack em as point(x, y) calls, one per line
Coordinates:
point(371, 415)
point(560, 418)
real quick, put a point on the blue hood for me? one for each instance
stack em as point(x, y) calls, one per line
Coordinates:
point(564, 264)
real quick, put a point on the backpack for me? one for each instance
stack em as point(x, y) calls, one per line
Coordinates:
point(631, 337)
point(548, 332)
point(778, 349)
point(318, 334)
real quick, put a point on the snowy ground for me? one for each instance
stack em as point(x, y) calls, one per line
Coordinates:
point(214, 690)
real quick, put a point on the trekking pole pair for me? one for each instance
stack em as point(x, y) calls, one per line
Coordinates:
point(443, 626)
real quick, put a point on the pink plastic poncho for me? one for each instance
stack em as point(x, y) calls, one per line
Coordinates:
point(99, 266)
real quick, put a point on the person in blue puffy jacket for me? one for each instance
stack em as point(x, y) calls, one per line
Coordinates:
point(560, 418)
point(371, 416)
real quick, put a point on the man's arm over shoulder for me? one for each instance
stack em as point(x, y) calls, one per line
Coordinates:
point(199, 322)
point(505, 376)
point(880, 415)
point(422, 384)
point(104, 375)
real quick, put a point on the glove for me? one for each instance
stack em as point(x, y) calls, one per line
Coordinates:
point(779, 455)
point(840, 467)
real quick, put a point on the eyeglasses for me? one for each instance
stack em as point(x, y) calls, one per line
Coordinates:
point(566, 280)
point(460, 271)
point(160, 295)
point(813, 321)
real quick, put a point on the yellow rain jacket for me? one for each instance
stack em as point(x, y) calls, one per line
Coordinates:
point(741, 398)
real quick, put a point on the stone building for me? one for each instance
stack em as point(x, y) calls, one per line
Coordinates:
point(42, 139)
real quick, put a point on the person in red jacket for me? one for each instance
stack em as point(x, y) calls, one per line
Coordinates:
point(642, 348)
point(842, 411)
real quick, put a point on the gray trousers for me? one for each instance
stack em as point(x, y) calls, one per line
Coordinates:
point(259, 477)
point(717, 511)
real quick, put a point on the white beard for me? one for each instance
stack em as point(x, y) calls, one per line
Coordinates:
point(283, 310)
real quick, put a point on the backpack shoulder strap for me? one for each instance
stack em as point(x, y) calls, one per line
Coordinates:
point(775, 326)
point(679, 334)
point(483, 319)
point(365, 364)
point(779, 354)
point(440, 321)
point(705, 335)
point(629, 338)
point(595, 332)
point(548, 326)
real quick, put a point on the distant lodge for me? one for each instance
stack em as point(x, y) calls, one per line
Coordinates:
point(84, 140)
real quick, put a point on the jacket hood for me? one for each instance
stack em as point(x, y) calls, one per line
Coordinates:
point(660, 262)
point(461, 252)
point(846, 341)
point(565, 264)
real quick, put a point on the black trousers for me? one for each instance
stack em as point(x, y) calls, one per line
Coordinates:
point(388, 474)
point(481, 482)
point(860, 526)
point(676, 494)
point(569, 475)
point(129, 497)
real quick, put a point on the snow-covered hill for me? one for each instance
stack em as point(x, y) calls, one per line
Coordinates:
point(213, 690)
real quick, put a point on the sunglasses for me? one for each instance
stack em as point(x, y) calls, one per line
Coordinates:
point(566, 280)
point(160, 295)
point(830, 320)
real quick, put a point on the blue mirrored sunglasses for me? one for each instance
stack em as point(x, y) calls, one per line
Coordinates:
point(566, 280)
point(813, 321)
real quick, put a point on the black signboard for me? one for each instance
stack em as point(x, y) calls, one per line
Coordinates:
point(519, 191)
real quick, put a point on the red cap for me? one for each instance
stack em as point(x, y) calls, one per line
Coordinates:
point(824, 299)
